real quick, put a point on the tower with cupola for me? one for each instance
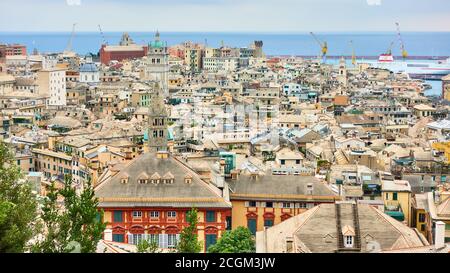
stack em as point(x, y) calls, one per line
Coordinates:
point(157, 64)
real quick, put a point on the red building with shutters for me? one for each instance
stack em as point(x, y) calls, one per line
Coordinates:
point(150, 197)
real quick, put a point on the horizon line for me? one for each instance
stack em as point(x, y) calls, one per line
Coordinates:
point(225, 31)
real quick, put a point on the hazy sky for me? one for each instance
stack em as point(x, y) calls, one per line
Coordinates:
point(225, 15)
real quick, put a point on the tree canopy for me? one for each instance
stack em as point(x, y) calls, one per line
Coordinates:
point(18, 206)
point(189, 238)
point(239, 240)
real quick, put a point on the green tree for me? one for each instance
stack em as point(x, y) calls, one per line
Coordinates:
point(145, 246)
point(56, 225)
point(189, 238)
point(76, 220)
point(18, 206)
point(239, 240)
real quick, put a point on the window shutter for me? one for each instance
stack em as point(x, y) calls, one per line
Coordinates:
point(247, 204)
point(165, 241)
point(161, 240)
point(130, 238)
point(177, 239)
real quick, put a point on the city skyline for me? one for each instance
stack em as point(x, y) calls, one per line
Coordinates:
point(226, 15)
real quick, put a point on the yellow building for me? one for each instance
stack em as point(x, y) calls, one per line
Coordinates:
point(421, 217)
point(443, 147)
point(52, 163)
point(431, 208)
point(397, 199)
point(264, 200)
point(446, 87)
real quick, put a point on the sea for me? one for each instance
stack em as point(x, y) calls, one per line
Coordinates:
point(432, 44)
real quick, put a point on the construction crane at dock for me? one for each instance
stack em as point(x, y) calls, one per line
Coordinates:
point(353, 53)
point(389, 51)
point(105, 42)
point(323, 46)
point(68, 50)
point(402, 44)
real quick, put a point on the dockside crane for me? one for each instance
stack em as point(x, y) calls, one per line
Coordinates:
point(105, 42)
point(323, 47)
point(389, 51)
point(69, 44)
point(402, 44)
point(353, 53)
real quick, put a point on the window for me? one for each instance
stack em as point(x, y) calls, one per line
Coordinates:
point(302, 205)
point(421, 217)
point(268, 223)
point(137, 214)
point(394, 196)
point(118, 238)
point(136, 238)
point(143, 181)
point(228, 222)
point(210, 216)
point(251, 224)
point(422, 227)
point(297, 161)
point(171, 214)
point(269, 204)
point(283, 162)
point(171, 240)
point(210, 239)
point(387, 196)
point(252, 204)
point(154, 214)
point(348, 241)
point(286, 205)
point(117, 216)
point(154, 238)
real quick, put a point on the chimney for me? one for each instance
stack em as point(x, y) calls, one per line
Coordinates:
point(309, 189)
point(439, 235)
point(234, 175)
point(222, 164)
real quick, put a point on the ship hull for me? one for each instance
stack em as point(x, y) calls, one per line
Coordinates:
point(432, 71)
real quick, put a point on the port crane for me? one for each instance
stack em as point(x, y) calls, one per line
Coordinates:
point(105, 42)
point(68, 50)
point(402, 44)
point(389, 51)
point(353, 53)
point(323, 46)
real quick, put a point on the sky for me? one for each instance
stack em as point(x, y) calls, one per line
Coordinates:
point(225, 15)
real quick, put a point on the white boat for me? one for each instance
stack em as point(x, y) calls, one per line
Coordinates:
point(421, 70)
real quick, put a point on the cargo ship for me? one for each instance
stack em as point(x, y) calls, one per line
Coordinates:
point(416, 70)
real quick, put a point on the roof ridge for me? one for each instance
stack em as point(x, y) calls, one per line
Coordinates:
point(387, 219)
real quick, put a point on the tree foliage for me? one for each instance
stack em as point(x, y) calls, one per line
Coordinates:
point(145, 246)
point(189, 238)
point(239, 240)
point(76, 221)
point(18, 206)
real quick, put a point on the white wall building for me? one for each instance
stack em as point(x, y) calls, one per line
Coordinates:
point(52, 82)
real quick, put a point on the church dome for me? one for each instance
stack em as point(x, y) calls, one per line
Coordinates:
point(88, 68)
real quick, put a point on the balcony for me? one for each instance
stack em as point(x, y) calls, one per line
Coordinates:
point(393, 209)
